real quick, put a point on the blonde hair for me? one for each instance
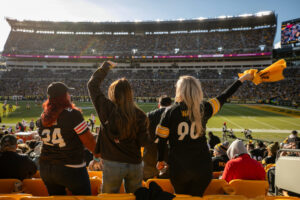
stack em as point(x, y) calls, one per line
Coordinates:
point(120, 93)
point(189, 91)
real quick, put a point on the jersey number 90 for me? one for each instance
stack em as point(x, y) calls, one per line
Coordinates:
point(184, 129)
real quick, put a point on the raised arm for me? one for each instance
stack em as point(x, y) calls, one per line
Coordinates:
point(102, 104)
point(217, 103)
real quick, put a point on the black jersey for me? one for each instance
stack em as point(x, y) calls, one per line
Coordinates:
point(181, 133)
point(61, 144)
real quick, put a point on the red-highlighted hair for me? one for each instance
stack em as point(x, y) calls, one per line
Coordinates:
point(53, 107)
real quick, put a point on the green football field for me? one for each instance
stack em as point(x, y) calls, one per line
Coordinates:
point(268, 123)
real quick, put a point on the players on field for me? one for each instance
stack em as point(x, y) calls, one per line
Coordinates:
point(124, 129)
point(184, 125)
point(65, 135)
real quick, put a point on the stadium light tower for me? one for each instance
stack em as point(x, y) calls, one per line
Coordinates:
point(262, 47)
point(134, 51)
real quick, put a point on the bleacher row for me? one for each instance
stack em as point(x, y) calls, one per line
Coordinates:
point(35, 188)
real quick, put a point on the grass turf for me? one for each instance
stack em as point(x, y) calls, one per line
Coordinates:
point(267, 121)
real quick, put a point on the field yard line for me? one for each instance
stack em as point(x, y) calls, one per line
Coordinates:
point(255, 120)
point(274, 117)
point(231, 121)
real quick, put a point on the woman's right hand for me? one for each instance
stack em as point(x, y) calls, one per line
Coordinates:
point(247, 76)
point(112, 64)
point(160, 165)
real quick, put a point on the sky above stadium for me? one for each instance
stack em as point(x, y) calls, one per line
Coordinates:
point(135, 10)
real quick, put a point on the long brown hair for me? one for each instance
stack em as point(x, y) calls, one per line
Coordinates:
point(53, 107)
point(120, 93)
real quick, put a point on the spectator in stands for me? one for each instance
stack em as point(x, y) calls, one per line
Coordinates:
point(31, 125)
point(14, 165)
point(220, 157)
point(292, 138)
point(213, 140)
point(124, 129)
point(65, 135)
point(183, 125)
point(241, 165)
point(150, 151)
point(272, 151)
point(258, 153)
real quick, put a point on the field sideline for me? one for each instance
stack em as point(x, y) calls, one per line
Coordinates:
point(269, 123)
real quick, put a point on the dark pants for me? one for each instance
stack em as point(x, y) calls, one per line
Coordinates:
point(191, 175)
point(58, 177)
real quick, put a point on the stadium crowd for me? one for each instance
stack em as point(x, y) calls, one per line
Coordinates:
point(147, 83)
point(228, 42)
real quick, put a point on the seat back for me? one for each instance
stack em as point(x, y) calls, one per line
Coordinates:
point(10, 185)
point(37, 174)
point(250, 188)
point(216, 175)
point(287, 173)
point(96, 184)
point(216, 186)
point(16, 196)
point(165, 184)
point(121, 196)
point(95, 173)
point(36, 187)
point(224, 197)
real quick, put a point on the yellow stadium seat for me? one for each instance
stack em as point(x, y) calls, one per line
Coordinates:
point(10, 185)
point(37, 174)
point(224, 197)
point(16, 196)
point(217, 186)
point(124, 196)
point(7, 198)
point(95, 173)
point(50, 198)
point(186, 197)
point(216, 175)
point(36, 187)
point(96, 184)
point(281, 198)
point(165, 184)
point(249, 188)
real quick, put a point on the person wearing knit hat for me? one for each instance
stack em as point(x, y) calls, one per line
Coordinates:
point(241, 165)
point(221, 158)
point(272, 151)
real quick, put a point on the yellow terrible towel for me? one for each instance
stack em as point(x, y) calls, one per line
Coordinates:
point(270, 74)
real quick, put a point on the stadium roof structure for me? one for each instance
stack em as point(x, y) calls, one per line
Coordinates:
point(148, 26)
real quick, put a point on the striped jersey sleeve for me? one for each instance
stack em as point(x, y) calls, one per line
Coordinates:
point(215, 104)
point(81, 127)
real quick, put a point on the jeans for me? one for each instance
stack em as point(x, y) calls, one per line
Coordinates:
point(115, 172)
point(58, 177)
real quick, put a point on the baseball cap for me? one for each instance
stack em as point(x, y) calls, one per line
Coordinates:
point(57, 89)
point(8, 140)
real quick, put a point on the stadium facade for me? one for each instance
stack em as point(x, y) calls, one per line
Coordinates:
point(152, 54)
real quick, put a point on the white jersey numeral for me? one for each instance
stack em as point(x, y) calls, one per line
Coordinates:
point(56, 137)
point(184, 129)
